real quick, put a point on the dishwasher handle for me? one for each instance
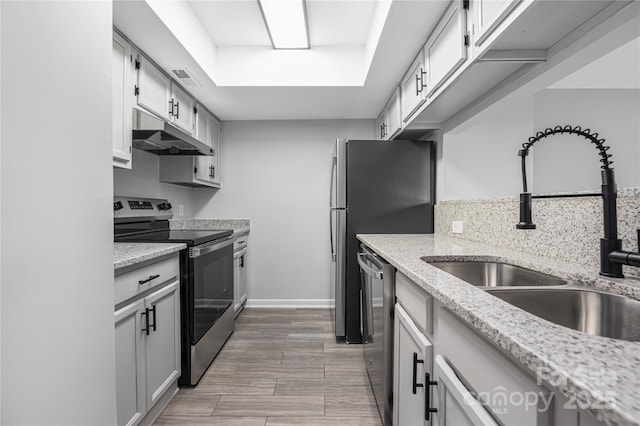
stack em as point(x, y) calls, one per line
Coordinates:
point(378, 274)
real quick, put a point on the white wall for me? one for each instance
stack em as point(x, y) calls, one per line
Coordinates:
point(143, 181)
point(570, 163)
point(479, 159)
point(277, 174)
point(58, 363)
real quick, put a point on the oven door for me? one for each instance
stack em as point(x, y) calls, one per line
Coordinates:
point(211, 286)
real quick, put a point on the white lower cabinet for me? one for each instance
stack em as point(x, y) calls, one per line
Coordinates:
point(412, 372)
point(239, 275)
point(130, 386)
point(147, 331)
point(510, 393)
point(162, 343)
point(456, 405)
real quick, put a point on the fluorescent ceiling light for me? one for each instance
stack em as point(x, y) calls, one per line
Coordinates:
point(286, 22)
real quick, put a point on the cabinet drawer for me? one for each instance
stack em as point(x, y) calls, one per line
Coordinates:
point(240, 243)
point(508, 391)
point(133, 282)
point(417, 302)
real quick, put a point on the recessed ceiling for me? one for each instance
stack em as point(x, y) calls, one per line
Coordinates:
point(359, 52)
point(239, 23)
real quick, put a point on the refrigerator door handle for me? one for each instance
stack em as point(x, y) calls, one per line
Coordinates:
point(333, 252)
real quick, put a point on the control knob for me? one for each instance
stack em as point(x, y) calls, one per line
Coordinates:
point(117, 206)
point(164, 206)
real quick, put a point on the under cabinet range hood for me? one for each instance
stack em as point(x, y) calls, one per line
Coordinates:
point(155, 135)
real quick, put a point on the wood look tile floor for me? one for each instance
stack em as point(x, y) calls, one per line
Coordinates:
point(280, 367)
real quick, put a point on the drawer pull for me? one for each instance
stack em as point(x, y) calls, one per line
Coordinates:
point(151, 278)
point(416, 361)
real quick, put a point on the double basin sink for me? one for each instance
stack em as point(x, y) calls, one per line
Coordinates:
point(553, 299)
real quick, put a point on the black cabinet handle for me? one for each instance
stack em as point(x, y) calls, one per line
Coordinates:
point(154, 317)
point(146, 321)
point(427, 396)
point(171, 107)
point(213, 172)
point(416, 361)
point(242, 261)
point(418, 89)
point(151, 277)
point(177, 110)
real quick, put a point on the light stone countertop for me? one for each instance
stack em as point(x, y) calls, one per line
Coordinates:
point(238, 226)
point(570, 356)
point(127, 254)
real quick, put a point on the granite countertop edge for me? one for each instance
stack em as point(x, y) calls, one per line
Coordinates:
point(569, 356)
point(127, 254)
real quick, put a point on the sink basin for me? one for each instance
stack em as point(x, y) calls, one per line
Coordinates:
point(592, 312)
point(494, 274)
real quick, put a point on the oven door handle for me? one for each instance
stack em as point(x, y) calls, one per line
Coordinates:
point(199, 251)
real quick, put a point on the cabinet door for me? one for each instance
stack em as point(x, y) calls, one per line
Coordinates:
point(413, 87)
point(412, 372)
point(202, 130)
point(122, 93)
point(163, 342)
point(242, 282)
point(182, 110)
point(130, 385)
point(381, 124)
point(216, 159)
point(154, 88)
point(202, 162)
point(236, 282)
point(394, 118)
point(446, 48)
point(456, 406)
point(488, 14)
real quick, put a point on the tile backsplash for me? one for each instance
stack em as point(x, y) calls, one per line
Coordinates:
point(566, 228)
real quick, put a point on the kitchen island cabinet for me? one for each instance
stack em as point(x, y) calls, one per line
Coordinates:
point(518, 368)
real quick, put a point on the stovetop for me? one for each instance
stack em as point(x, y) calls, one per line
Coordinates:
point(140, 220)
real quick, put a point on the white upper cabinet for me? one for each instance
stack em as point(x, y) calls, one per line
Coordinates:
point(446, 48)
point(487, 15)
point(381, 123)
point(390, 120)
point(122, 101)
point(214, 140)
point(394, 115)
point(413, 88)
point(182, 110)
point(153, 89)
point(199, 170)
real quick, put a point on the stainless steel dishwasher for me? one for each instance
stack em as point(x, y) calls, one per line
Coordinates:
point(377, 279)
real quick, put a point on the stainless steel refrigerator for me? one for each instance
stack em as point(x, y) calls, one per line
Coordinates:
point(377, 187)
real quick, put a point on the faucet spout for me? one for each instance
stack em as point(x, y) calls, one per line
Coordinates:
point(611, 255)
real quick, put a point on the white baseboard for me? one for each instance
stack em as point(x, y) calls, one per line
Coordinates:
point(290, 303)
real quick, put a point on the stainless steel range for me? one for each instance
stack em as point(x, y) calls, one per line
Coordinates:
point(206, 282)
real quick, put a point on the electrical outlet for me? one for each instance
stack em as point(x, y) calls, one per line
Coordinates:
point(180, 210)
point(457, 227)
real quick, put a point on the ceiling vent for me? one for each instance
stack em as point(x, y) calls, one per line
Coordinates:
point(185, 77)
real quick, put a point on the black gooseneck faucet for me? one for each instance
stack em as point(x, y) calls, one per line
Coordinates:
point(612, 257)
